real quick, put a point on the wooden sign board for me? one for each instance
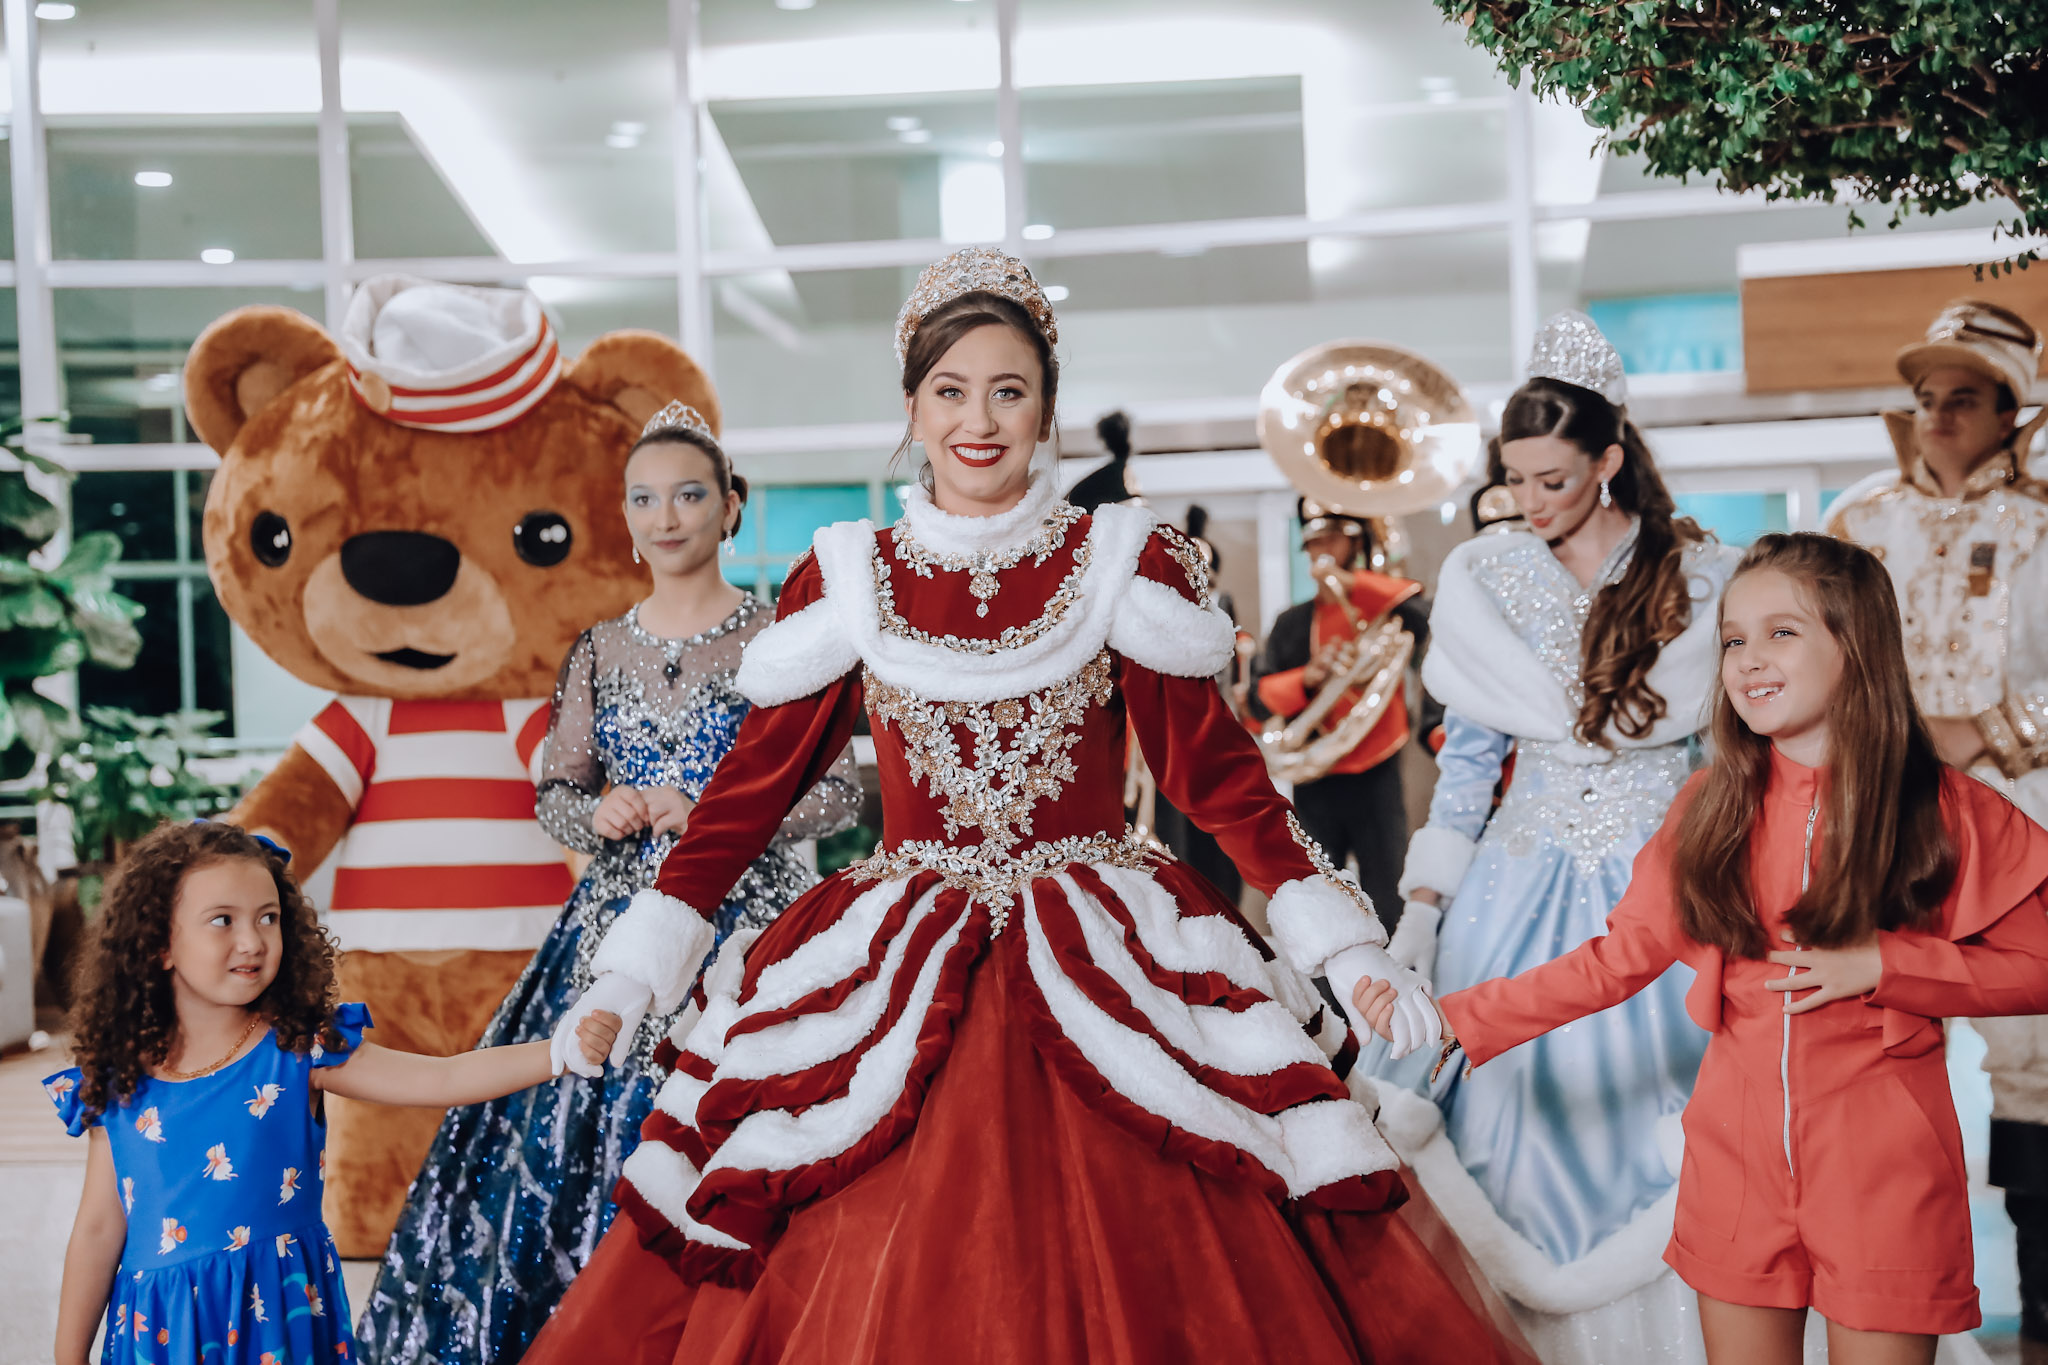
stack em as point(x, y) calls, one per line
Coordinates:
point(1843, 329)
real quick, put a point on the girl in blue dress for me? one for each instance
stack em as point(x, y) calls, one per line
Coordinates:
point(515, 1194)
point(205, 1033)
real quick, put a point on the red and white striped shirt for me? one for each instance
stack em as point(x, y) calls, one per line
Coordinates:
point(444, 850)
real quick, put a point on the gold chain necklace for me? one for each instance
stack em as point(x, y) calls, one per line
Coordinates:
point(254, 1020)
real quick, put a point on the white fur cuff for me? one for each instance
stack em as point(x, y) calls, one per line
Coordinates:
point(1314, 919)
point(1437, 859)
point(1157, 627)
point(795, 657)
point(659, 942)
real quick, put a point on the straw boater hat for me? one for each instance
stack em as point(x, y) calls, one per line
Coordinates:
point(448, 357)
point(1973, 335)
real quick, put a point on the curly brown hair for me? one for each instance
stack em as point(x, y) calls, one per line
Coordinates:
point(124, 1017)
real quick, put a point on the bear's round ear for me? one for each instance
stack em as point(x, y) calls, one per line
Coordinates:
point(243, 361)
point(640, 373)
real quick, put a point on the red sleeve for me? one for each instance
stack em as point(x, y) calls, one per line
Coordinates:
point(1641, 943)
point(1284, 693)
point(780, 754)
point(1203, 759)
point(2003, 970)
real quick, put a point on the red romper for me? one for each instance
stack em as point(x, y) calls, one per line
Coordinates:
point(1823, 1161)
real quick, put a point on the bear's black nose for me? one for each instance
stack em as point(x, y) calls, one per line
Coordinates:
point(400, 568)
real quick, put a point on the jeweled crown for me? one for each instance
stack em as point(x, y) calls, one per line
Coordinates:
point(680, 418)
point(1571, 348)
point(977, 269)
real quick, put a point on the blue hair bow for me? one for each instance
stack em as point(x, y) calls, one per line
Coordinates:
point(284, 855)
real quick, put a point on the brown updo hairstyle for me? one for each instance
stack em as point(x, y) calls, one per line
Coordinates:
point(728, 479)
point(950, 321)
point(124, 1016)
point(1631, 620)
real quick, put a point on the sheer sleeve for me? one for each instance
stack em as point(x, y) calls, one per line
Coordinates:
point(831, 806)
point(572, 774)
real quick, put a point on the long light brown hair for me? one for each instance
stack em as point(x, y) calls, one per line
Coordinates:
point(1886, 859)
point(1648, 607)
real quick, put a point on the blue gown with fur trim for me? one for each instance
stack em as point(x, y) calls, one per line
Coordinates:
point(226, 1261)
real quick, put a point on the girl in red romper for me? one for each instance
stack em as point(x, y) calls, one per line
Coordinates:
point(1823, 1164)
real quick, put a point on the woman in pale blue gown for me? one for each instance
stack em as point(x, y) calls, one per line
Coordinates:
point(1573, 657)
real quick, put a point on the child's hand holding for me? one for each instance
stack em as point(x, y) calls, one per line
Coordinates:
point(1376, 999)
point(1830, 973)
point(596, 1034)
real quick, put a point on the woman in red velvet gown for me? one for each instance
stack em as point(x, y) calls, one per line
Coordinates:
point(1018, 1087)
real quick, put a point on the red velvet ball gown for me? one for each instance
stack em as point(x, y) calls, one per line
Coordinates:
point(1017, 1088)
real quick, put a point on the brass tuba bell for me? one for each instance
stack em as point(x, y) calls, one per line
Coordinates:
point(1371, 431)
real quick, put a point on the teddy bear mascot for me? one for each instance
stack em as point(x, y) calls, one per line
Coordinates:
point(421, 516)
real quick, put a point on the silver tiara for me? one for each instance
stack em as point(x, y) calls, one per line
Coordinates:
point(679, 418)
point(1570, 347)
point(975, 270)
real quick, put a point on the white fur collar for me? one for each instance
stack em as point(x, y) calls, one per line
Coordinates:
point(946, 533)
point(1479, 667)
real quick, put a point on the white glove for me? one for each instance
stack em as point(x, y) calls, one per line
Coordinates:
point(620, 995)
point(1416, 1023)
point(1414, 941)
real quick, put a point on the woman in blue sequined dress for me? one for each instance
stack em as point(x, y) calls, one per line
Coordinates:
point(1573, 654)
point(515, 1194)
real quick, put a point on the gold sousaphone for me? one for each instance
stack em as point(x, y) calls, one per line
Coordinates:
point(1371, 431)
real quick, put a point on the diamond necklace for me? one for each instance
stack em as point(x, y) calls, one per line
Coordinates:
point(982, 566)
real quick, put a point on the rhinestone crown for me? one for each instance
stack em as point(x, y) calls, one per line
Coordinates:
point(1570, 347)
point(977, 269)
point(681, 418)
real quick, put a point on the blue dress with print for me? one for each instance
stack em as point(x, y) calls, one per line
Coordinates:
point(226, 1261)
point(515, 1193)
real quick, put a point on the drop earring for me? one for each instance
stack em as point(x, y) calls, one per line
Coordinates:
point(1606, 494)
point(636, 554)
point(730, 548)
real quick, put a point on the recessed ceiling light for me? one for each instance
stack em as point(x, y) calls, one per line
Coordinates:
point(1056, 293)
point(50, 9)
point(794, 4)
point(903, 123)
point(1436, 83)
point(153, 180)
point(916, 137)
point(630, 128)
point(217, 255)
point(1037, 232)
point(995, 148)
point(621, 141)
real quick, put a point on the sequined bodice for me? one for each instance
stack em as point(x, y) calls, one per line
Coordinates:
point(1588, 809)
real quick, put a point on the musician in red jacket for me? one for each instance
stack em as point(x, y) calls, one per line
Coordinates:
point(1357, 809)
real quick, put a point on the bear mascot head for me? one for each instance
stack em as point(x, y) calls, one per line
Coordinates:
point(421, 515)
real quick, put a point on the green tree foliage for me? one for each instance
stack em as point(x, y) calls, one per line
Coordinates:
point(51, 620)
point(1919, 104)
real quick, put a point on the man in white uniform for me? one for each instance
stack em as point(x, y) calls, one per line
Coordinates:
point(1964, 532)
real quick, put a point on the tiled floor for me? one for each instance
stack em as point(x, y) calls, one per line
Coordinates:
point(41, 1171)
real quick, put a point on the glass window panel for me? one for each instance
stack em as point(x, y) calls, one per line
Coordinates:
point(1212, 108)
point(151, 685)
point(548, 124)
point(811, 347)
point(849, 122)
point(1673, 333)
point(1139, 328)
point(853, 168)
point(155, 327)
point(139, 506)
point(1105, 155)
point(212, 654)
point(7, 205)
point(246, 185)
point(792, 512)
point(585, 309)
point(221, 95)
point(118, 403)
point(403, 204)
point(1736, 518)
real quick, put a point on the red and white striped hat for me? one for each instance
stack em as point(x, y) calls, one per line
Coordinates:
point(448, 357)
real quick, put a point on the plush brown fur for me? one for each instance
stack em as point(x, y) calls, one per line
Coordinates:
point(269, 390)
point(374, 1150)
